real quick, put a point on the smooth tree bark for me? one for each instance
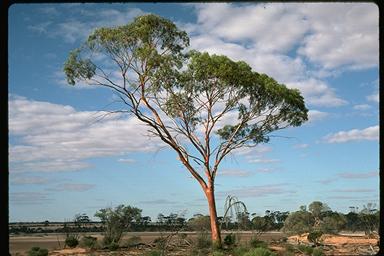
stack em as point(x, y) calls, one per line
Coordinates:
point(202, 106)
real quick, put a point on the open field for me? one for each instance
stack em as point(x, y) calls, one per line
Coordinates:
point(346, 244)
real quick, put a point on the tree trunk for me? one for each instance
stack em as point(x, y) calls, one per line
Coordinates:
point(215, 229)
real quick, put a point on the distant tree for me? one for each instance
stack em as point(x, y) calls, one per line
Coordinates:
point(299, 222)
point(183, 98)
point(116, 221)
point(46, 223)
point(333, 223)
point(80, 220)
point(317, 208)
point(353, 222)
point(370, 218)
point(199, 222)
point(260, 224)
point(160, 218)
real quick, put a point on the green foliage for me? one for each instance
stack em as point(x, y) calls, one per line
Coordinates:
point(37, 251)
point(218, 253)
point(153, 253)
point(199, 222)
point(333, 223)
point(317, 207)
point(88, 242)
point(112, 246)
point(230, 240)
point(317, 252)
point(71, 241)
point(203, 240)
point(116, 221)
point(299, 222)
point(307, 250)
point(255, 243)
point(314, 236)
point(240, 250)
point(259, 252)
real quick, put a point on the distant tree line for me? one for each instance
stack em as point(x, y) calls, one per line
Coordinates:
point(317, 216)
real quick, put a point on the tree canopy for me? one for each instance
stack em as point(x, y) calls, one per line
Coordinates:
point(202, 105)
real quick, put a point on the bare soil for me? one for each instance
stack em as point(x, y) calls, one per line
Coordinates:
point(338, 245)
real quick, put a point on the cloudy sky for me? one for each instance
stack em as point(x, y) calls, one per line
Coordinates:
point(66, 157)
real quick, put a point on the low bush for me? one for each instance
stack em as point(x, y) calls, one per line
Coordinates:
point(259, 252)
point(71, 241)
point(317, 252)
point(203, 240)
point(308, 250)
point(88, 242)
point(256, 243)
point(218, 253)
point(239, 251)
point(113, 246)
point(37, 251)
point(230, 240)
point(153, 253)
point(314, 237)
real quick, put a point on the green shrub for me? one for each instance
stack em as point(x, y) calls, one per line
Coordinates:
point(259, 252)
point(308, 250)
point(230, 240)
point(37, 251)
point(88, 242)
point(218, 253)
point(314, 236)
point(239, 251)
point(203, 240)
point(317, 252)
point(113, 246)
point(71, 241)
point(153, 253)
point(255, 243)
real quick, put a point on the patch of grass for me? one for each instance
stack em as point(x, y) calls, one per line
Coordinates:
point(203, 240)
point(260, 252)
point(256, 243)
point(37, 251)
point(153, 253)
point(317, 252)
point(230, 240)
point(88, 242)
point(71, 241)
point(240, 250)
point(305, 249)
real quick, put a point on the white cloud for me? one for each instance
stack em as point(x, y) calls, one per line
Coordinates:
point(374, 97)
point(358, 175)
point(54, 137)
point(234, 173)
point(257, 191)
point(263, 160)
point(317, 93)
point(316, 115)
point(341, 34)
point(126, 160)
point(370, 133)
point(35, 180)
point(362, 107)
point(75, 187)
point(75, 28)
point(29, 197)
point(301, 146)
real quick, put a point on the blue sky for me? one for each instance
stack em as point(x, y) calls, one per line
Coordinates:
point(63, 160)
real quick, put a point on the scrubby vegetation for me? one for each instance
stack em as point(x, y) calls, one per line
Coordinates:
point(37, 251)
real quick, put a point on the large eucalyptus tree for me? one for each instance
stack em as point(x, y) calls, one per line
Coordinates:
point(202, 106)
